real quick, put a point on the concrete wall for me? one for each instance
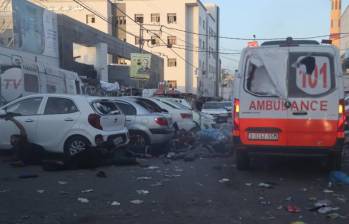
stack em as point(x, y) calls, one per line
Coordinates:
point(71, 31)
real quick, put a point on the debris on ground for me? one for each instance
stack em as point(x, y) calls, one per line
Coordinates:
point(293, 209)
point(335, 216)
point(87, 191)
point(326, 210)
point(266, 185)
point(62, 182)
point(224, 180)
point(101, 174)
point(142, 192)
point(144, 178)
point(28, 176)
point(83, 200)
point(137, 202)
point(115, 203)
point(339, 177)
point(40, 191)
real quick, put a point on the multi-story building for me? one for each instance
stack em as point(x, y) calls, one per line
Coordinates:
point(183, 32)
point(336, 10)
point(344, 45)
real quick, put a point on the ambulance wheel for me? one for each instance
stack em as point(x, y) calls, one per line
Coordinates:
point(242, 160)
point(335, 161)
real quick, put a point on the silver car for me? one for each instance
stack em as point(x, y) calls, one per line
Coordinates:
point(147, 125)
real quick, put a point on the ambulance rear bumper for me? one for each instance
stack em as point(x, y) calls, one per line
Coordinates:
point(288, 151)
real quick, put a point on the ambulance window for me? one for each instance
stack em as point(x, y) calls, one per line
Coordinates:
point(258, 81)
point(320, 82)
point(31, 83)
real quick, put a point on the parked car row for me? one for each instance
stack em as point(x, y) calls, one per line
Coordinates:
point(70, 124)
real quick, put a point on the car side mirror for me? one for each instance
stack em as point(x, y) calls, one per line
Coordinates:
point(309, 63)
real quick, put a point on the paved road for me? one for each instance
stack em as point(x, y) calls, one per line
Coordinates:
point(180, 192)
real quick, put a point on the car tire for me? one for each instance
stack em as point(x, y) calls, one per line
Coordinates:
point(242, 160)
point(335, 161)
point(139, 140)
point(75, 145)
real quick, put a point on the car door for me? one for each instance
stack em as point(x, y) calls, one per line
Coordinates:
point(59, 117)
point(129, 111)
point(313, 98)
point(27, 114)
point(262, 113)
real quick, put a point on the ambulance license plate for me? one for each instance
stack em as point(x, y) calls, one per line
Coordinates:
point(263, 136)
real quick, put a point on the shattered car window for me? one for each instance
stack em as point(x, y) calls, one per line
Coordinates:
point(259, 81)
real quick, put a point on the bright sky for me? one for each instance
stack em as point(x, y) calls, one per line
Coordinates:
point(271, 18)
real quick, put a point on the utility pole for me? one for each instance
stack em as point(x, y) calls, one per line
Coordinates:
point(141, 38)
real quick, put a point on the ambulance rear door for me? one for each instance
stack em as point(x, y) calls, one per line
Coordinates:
point(313, 97)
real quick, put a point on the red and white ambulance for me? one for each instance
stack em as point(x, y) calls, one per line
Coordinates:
point(289, 100)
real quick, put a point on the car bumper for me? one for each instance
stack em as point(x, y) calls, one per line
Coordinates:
point(160, 136)
point(288, 151)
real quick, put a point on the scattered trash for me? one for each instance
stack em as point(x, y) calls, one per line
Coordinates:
point(101, 174)
point(328, 191)
point(248, 184)
point(115, 203)
point(293, 209)
point(335, 216)
point(265, 185)
point(83, 200)
point(40, 191)
point(28, 176)
point(179, 170)
point(144, 178)
point(298, 222)
point(157, 184)
point(322, 203)
point(280, 207)
point(62, 182)
point(87, 191)
point(137, 202)
point(326, 210)
point(152, 168)
point(63, 193)
point(142, 192)
point(224, 180)
point(289, 198)
point(339, 177)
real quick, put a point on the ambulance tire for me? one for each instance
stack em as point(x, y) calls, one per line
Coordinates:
point(335, 161)
point(242, 160)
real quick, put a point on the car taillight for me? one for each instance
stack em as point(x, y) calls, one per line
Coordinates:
point(341, 119)
point(236, 112)
point(95, 121)
point(161, 121)
point(186, 116)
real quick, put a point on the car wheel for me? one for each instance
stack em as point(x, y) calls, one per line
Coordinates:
point(335, 161)
point(139, 141)
point(242, 160)
point(75, 145)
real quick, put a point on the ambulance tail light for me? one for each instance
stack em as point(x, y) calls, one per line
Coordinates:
point(236, 117)
point(341, 119)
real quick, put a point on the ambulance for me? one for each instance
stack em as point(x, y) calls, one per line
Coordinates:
point(289, 101)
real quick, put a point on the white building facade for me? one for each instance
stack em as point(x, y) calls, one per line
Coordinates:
point(184, 32)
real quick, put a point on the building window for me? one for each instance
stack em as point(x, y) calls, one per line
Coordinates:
point(155, 18)
point(339, 23)
point(172, 62)
point(121, 20)
point(171, 18)
point(155, 40)
point(203, 24)
point(90, 19)
point(171, 40)
point(331, 23)
point(137, 40)
point(139, 18)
